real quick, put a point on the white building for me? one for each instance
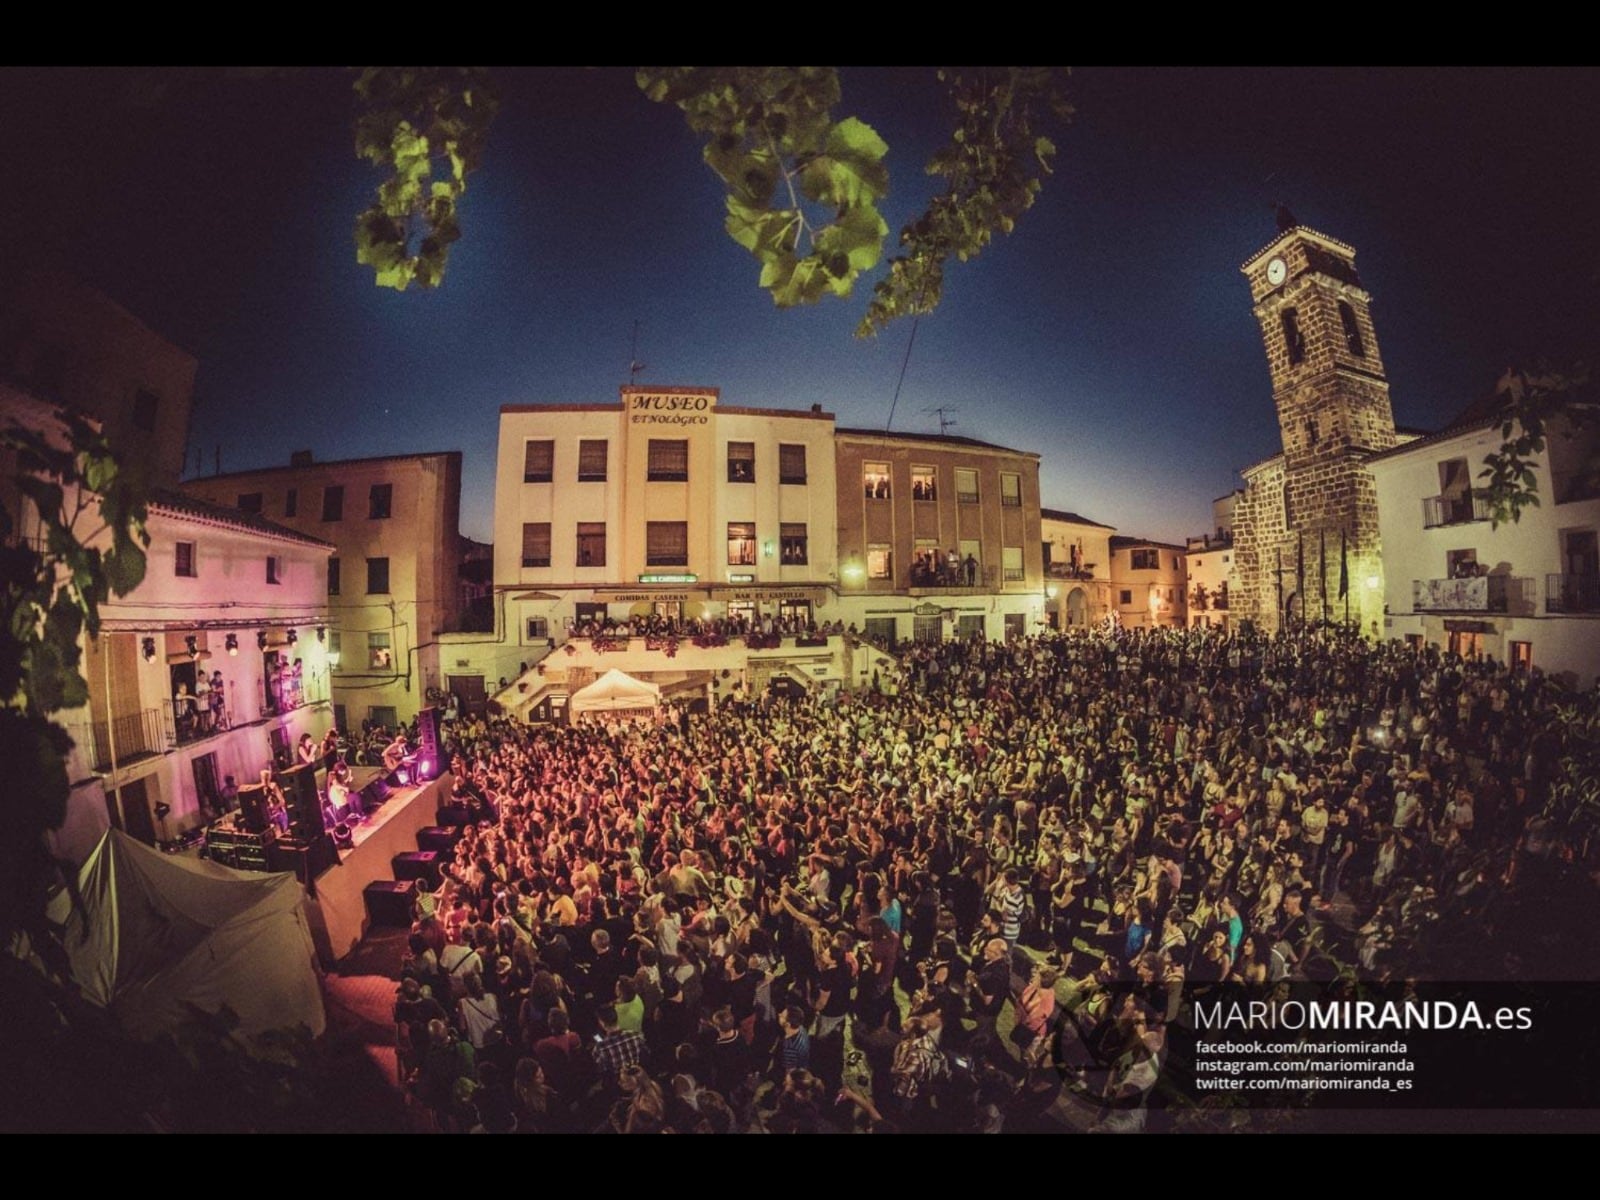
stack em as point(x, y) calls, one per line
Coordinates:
point(224, 591)
point(1147, 582)
point(1208, 564)
point(1527, 593)
point(1077, 569)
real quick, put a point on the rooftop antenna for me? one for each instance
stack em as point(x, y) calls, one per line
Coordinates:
point(634, 365)
point(946, 414)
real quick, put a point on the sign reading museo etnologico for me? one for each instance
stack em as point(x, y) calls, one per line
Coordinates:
point(671, 408)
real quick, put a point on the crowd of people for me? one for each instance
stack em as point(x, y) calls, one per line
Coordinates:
point(917, 907)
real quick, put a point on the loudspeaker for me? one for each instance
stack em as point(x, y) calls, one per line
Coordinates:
point(375, 793)
point(299, 785)
point(422, 865)
point(428, 764)
point(389, 901)
point(253, 807)
point(439, 838)
point(457, 815)
point(307, 859)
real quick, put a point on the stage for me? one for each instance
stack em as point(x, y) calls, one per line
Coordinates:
point(337, 913)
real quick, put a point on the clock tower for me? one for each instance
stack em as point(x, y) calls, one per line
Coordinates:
point(1308, 526)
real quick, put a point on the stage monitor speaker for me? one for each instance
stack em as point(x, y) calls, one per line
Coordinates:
point(253, 807)
point(307, 859)
point(389, 901)
point(458, 816)
point(428, 764)
point(421, 865)
point(375, 793)
point(299, 785)
point(439, 838)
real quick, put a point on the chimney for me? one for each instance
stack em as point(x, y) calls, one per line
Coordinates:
point(300, 458)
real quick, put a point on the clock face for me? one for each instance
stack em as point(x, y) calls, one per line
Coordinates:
point(1277, 271)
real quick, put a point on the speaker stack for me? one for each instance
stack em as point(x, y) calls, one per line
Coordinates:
point(428, 765)
point(253, 807)
point(305, 803)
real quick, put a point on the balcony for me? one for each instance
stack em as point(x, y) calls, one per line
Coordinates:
point(1463, 509)
point(134, 735)
point(1572, 593)
point(1480, 594)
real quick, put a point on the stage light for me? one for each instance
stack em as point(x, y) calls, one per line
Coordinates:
point(402, 777)
point(149, 648)
point(261, 639)
point(293, 637)
point(192, 644)
point(424, 769)
point(232, 643)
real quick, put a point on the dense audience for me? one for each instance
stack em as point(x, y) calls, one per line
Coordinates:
point(911, 908)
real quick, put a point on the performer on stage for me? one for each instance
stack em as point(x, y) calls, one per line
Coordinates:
point(395, 752)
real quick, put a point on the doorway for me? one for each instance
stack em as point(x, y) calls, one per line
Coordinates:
point(134, 819)
point(1077, 608)
point(471, 692)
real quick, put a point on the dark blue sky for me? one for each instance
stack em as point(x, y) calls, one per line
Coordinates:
point(1111, 333)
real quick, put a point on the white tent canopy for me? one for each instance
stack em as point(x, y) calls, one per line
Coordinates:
point(157, 933)
point(616, 693)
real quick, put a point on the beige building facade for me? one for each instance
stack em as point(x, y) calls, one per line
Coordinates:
point(1147, 583)
point(1077, 568)
point(393, 581)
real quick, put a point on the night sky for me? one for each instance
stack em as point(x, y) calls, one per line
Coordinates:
point(1111, 333)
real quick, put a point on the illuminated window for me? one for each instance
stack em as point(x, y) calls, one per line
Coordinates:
point(875, 477)
point(184, 560)
point(592, 454)
point(666, 543)
point(539, 462)
point(668, 461)
point(966, 485)
point(380, 651)
point(1011, 563)
point(880, 562)
point(791, 463)
point(1010, 490)
point(536, 544)
point(591, 543)
point(741, 462)
point(380, 501)
point(741, 543)
point(924, 483)
point(792, 544)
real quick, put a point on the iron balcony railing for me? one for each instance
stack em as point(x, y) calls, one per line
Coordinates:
point(1572, 593)
point(135, 735)
point(1462, 509)
point(1478, 594)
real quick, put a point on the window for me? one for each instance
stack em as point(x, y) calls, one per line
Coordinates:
point(741, 462)
point(377, 576)
point(666, 543)
point(880, 630)
point(291, 502)
point(538, 462)
point(1293, 339)
point(875, 477)
point(1522, 656)
point(1461, 564)
point(591, 543)
point(383, 714)
point(333, 503)
point(969, 626)
point(1146, 560)
point(538, 628)
point(927, 629)
point(333, 577)
point(380, 502)
point(184, 560)
point(924, 483)
point(792, 544)
point(145, 404)
point(1011, 563)
point(380, 650)
point(791, 463)
point(880, 561)
point(741, 543)
point(592, 460)
point(249, 502)
point(970, 569)
point(1010, 490)
point(668, 461)
point(274, 569)
point(1352, 331)
point(966, 485)
point(536, 544)
point(1125, 597)
point(335, 646)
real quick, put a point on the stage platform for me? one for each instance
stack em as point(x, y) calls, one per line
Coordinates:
point(338, 914)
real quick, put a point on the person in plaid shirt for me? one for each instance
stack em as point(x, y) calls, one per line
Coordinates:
point(617, 1048)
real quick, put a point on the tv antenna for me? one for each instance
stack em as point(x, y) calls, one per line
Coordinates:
point(634, 365)
point(946, 414)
